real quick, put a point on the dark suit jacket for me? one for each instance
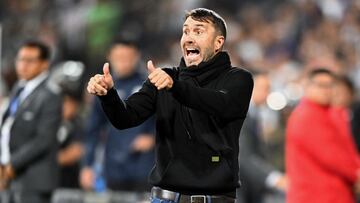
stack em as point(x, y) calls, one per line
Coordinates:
point(33, 142)
point(254, 168)
point(355, 124)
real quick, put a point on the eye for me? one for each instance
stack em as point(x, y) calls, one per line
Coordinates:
point(185, 32)
point(198, 31)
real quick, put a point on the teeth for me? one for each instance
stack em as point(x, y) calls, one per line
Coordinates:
point(191, 49)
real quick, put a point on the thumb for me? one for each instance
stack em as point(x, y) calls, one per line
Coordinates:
point(107, 76)
point(106, 70)
point(150, 66)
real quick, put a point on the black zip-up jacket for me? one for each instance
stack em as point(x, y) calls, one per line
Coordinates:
point(198, 123)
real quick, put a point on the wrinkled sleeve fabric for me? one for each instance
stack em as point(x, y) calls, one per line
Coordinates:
point(229, 102)
point(132, 111)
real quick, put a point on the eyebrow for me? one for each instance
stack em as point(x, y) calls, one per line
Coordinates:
point(196, 25)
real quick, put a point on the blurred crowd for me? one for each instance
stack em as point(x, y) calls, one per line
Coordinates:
point(280, 40)
point(283, 37)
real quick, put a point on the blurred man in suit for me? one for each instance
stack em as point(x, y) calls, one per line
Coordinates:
point(256, 173)
point(28, 129)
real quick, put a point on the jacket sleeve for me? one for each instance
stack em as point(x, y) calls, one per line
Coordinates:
point(230, 102)
point(48, 122)
point(355, 126)
point(133, 111)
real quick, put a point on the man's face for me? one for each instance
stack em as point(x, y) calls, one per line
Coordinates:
point(28, 63)
point(319, 89)
point(123, 59)
point(199, 41)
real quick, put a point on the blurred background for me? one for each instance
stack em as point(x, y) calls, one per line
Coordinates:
point(285, 38)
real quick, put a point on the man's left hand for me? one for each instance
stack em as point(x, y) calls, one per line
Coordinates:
point(159, 78)
point(9, 172)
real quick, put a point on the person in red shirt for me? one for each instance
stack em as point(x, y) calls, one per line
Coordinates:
point(321, 162)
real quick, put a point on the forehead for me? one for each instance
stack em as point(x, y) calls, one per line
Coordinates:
point(29, 51)
point(322, 77)
point(190, 22)
point(123, 48)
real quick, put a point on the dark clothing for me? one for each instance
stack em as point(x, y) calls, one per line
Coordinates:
point(140, 185)
point(355, 124)
point(197, 124)
point(254, 168)
point(70, 132)
point(121, 163)
point(29, 197)
point(33, 144)
point(19, 196)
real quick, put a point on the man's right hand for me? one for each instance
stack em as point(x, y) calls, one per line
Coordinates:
point(101, 83)
point(87, 177)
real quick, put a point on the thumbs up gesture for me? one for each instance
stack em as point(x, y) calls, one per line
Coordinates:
point(107, 79)
point(159, 78)
point(101, 83)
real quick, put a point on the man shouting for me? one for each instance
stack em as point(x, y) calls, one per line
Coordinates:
point(200, 107)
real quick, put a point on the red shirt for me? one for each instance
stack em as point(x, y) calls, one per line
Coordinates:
point(321, 159)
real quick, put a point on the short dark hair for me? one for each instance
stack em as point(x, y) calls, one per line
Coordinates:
point(318, 71)
point(124, 42)
point(207, 15)
point(42, 47)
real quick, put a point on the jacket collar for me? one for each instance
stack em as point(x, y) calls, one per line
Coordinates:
point(32, 96)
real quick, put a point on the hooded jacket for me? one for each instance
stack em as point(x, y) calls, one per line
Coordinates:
point(198, 123)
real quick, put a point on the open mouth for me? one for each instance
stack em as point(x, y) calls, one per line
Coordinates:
point(192, 52)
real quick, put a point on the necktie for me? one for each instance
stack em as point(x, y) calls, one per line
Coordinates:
point(15, 101)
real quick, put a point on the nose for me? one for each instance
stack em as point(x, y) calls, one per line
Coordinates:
point(188, 39)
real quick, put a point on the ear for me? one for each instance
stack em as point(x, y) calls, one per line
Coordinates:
point(219, 42)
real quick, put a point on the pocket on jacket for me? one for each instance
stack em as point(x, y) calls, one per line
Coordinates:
point(28, 116)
